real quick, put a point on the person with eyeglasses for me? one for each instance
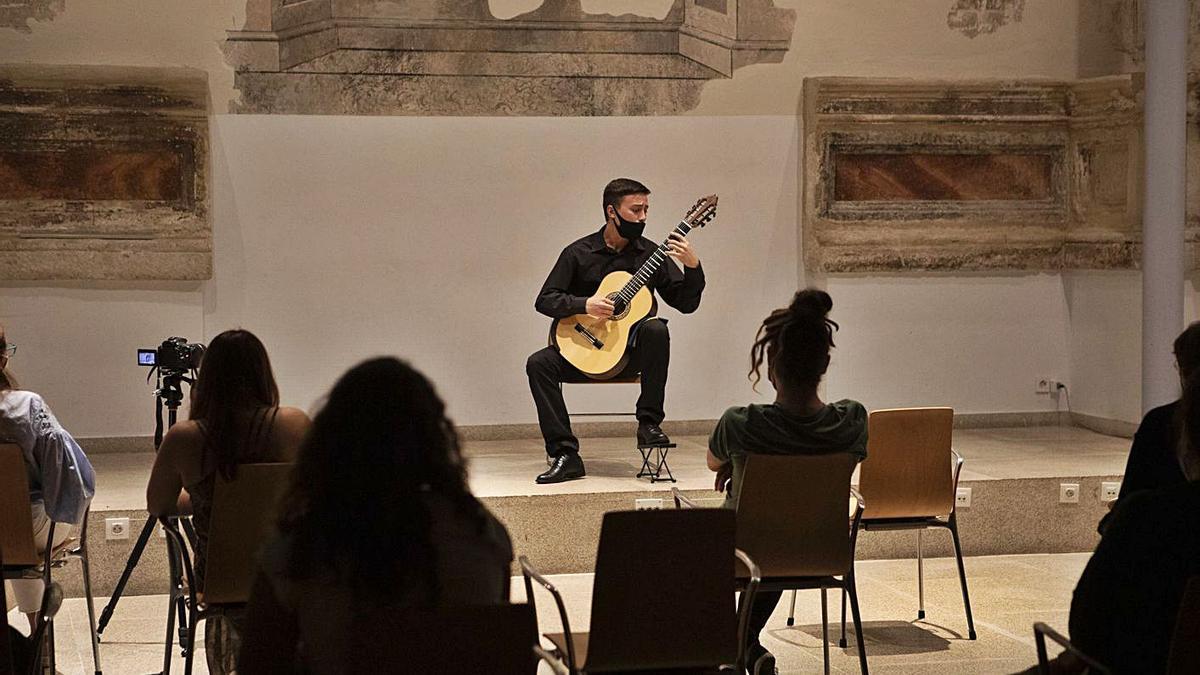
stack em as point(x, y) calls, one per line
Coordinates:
point(61, 479)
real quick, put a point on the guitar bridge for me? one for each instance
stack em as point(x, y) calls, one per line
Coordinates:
point(588, 335)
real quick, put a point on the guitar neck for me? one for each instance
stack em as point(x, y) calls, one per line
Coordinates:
point(649, 268)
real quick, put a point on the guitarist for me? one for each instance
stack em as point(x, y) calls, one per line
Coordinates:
point(570, 289)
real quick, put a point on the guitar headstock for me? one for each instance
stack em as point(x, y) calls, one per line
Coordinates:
point(704, 210)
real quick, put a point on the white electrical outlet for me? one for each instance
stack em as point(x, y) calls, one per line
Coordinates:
point(1068, 493)
point(648, 503)
point(1043, 385)
point(1109, 491)
point(962, 498)
point(116, 528)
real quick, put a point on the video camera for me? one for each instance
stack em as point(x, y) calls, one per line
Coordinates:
point(174, 355)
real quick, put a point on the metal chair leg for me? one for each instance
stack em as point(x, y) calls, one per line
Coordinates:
point(962, 576)
point(842, 643)
point(85, 560)
point(792, 610)
point(858, 631)
point(52, 648)
point(920, 576)
point(824, 627)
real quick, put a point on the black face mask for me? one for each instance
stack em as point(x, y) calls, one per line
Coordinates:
point(629, 229)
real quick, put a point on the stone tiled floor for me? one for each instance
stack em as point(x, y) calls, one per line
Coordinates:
point(1008, 594)
point(505, 468)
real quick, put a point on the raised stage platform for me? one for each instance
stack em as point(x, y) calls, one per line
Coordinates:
point(1014, 474)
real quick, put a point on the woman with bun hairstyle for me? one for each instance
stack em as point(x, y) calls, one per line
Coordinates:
point(794, 343)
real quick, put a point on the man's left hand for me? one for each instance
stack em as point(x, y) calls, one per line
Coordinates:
point(679, 248)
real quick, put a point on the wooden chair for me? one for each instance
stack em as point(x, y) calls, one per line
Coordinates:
point(501, 640)
point(793, 520)
point(243, 517)
point(662, 597)
point(7, 659)
point(909, 481)
point(21, 557)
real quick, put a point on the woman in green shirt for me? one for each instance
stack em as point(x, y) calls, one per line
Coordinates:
point(795, 343)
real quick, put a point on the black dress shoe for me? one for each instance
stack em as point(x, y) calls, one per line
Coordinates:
point(651, 434)
point(567, 466)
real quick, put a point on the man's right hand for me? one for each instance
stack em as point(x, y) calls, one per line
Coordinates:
point(599, 307)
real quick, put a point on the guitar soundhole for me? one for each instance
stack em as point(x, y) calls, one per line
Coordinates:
point(620, 307)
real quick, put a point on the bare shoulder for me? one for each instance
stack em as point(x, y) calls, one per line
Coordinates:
point(183, 440)
point(293, 419)
point(292, 426)
point(185, 434)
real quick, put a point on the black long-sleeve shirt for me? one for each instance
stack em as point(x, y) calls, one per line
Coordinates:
point(584, 263)
point(1153, 462)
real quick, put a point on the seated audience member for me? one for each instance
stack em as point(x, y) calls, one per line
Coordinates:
point(795, 344)
point(235, 418)
point(378, 517)
point(1124, 608)
point(61, 479)
point(1153, 460)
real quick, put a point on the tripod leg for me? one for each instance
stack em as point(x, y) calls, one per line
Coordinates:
point(134, 556)
point(172, 598)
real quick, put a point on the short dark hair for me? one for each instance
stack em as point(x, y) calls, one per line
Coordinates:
point(619, 188)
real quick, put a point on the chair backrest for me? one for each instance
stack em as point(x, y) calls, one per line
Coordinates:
point(1184, 656)
point(16, 519)
point(243, 518)
point(908, 472)
point(663, 594)
point(494, 639)
point(792, 516)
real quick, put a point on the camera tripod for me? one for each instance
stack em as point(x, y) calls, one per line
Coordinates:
point(170, 394)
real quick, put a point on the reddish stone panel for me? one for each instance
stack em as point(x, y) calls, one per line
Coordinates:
point(93, 173)
point(942, 177)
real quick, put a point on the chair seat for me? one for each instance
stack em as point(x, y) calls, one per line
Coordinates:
point(913, 523)
point(579, 640)
point(795, 583)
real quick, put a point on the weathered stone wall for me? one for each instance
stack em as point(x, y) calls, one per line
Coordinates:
point(104, 174)
point(910, 175)
point(433, 57)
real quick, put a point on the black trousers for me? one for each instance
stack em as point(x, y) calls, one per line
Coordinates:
point(547, 369)
point(760, 612)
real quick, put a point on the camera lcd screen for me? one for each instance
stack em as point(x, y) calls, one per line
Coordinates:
point(146, 357)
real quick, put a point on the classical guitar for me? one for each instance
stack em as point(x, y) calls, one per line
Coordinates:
point(598, 347)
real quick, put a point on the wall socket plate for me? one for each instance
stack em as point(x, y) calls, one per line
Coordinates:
point(1042, 386)
point(962, 498)
point(1109, 491)
point(1068, 493)
point(116, 528)
point(648, 503)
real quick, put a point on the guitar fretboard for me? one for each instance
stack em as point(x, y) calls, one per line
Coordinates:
point(648, 269)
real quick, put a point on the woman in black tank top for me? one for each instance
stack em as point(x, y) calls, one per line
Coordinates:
point(234, 419)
